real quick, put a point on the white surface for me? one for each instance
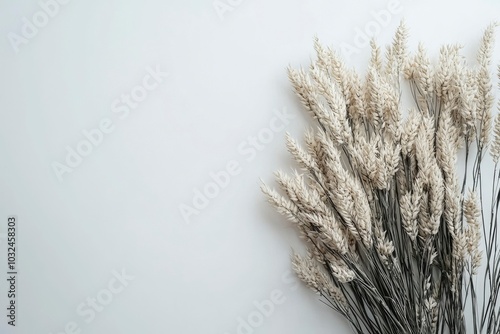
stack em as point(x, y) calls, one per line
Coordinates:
point(119, 209)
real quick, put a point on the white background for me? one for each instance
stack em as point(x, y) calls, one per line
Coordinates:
point(120, 208)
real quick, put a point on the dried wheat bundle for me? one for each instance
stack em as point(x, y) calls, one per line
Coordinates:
point(399, 241)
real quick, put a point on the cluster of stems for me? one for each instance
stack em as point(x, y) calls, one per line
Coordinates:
point(399, 218)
